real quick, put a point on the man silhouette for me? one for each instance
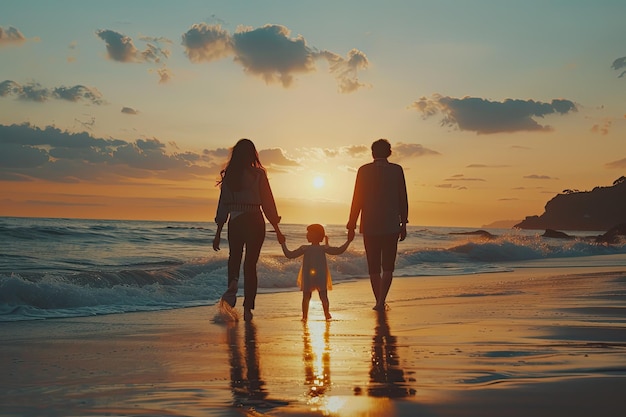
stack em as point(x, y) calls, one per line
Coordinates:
point(380, 198)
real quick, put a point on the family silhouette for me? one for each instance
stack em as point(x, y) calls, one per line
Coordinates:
point(379, 200)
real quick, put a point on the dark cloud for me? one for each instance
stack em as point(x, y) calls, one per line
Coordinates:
point(121, 48)
point(618, 64)
point(206, 43)
point(11, 36)
point(483, 116)
point(486, 166)
point(539, 177)
point(621, 164)
point(28, 152)
point(409, 150)
point(275, 156)
point(36, 92)
point(77, 93)
point(461, 177)
point(129, 110)
point(451, 186)
point(271, 53)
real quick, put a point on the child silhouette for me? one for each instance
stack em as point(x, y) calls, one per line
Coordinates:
point(314, 273)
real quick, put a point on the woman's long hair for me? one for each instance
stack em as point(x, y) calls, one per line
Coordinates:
point(242, 156)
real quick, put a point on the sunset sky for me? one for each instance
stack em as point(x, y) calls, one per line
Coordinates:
point(127, 109)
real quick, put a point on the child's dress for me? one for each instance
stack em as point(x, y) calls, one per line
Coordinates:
point(314, 273)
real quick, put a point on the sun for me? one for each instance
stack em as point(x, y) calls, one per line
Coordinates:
point(318, 182)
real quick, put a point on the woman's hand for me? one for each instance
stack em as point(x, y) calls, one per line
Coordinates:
point(218, 237)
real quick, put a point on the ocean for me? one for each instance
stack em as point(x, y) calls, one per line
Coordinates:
point(58, 268)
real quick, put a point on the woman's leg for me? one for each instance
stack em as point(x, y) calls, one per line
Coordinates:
point(254, 237)
point(235, 248)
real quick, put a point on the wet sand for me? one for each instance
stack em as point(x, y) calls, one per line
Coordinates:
point(539, 341)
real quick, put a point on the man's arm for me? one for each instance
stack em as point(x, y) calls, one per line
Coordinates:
point(357, 204)
point(404, 205)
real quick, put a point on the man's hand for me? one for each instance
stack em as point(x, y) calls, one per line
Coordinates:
point(402, 232)
point(350, 235)
point(216, 242)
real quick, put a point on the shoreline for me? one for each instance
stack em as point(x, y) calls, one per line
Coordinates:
point(545, 340)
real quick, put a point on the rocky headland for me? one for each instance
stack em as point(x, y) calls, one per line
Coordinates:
point(600, 209)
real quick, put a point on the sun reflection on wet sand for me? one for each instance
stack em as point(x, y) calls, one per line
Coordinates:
point(316, 358)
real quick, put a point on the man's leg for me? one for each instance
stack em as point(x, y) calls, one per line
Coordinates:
point(373, 249)
point(385, 284)
point(375, 280)
point(389, 251)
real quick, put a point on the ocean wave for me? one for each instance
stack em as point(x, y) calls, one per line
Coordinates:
point(53, 268)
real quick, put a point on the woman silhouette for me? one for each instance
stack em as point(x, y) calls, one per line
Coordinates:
point(245, 195)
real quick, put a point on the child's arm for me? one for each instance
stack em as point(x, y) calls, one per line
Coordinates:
point(291, 254)
point(332, 250)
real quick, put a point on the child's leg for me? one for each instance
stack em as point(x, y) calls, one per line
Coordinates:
point(325, 304)
point(306, 298)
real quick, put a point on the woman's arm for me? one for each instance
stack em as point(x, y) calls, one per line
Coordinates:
point(218, 237)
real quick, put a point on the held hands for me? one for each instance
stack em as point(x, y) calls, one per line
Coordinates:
point(350, 235)
point(280, 237)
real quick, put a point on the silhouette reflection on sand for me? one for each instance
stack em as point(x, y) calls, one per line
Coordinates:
point(247, 388)
point(386, 376)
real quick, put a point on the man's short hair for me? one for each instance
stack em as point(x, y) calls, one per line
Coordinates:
point(381, 148)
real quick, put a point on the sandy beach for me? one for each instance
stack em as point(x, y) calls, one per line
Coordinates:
point(538, 341)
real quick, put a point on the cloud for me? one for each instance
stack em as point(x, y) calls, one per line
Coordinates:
point(486, 166)
point(270, 53)
point(484, 116)
point(36, 92)
point(165, 75)
point(410, 150)
point(207, 43)
point(451, 186)
point(129, 110)
point(620, 164)
point(357, 150)
point(346, 69)
point(461, 177)
point(618, 64)
point(539, 177)
point(602, 128)
point(121, 48)
point(276, 156)
point(28, 152)
point(11, 36)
